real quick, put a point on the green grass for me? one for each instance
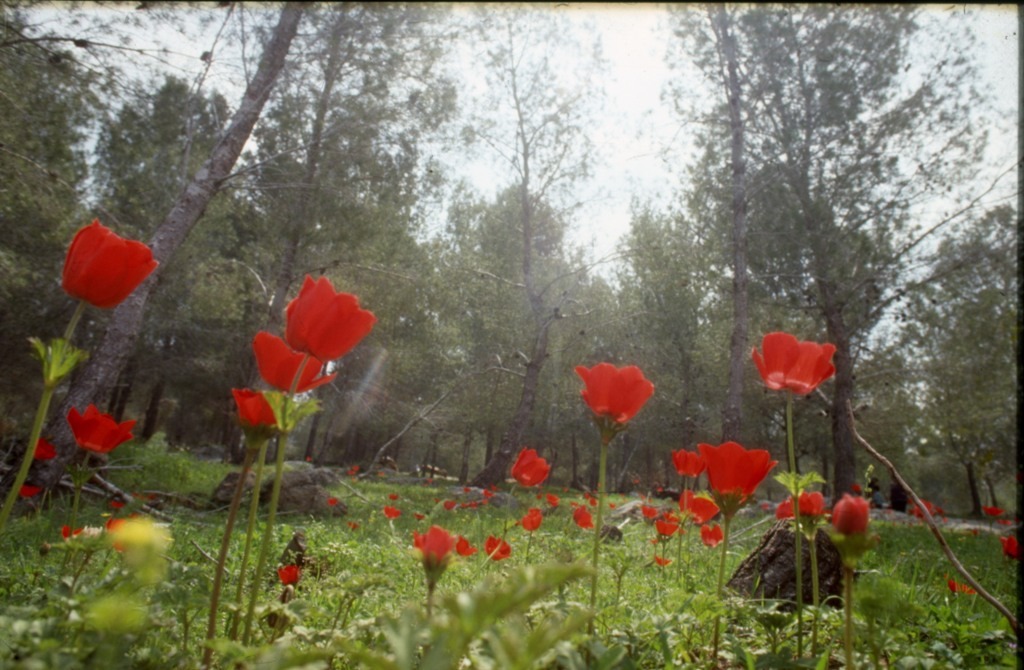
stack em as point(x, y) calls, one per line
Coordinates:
point(363, 603)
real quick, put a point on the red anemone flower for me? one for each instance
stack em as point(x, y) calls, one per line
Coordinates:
point(793, 365)
point(850, 515)
point(253, 409)
point(29, 490)
point(662, 561)
point(332, 501)
point(1010, 547)
point(392, 512)
point(992, 511)
point(464, 548)
point(957, 587)
point(66, 531)
point(44, 450)
point(435, 548)
point(666, 527)
point(552, 499)
point(98, 432)
point(582, 518)
point(449, 505)
point(103, 268)
point(498, 550)
point(687, 463)
point(711, 535)
point(615, 393)
point(531, 521)
point(392, 496)
point(699, 508)
point(324, 323)
point(811, 505)
point(279, 363)
point(289, 574)
point(529, 468)
point(735, 471)
point(648, 511)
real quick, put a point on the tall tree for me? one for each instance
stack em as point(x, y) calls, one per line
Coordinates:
point(47, 103)
point(854, 135)
point(107, 361)
point(961, 329)
point(729, 77)
point(538, 132)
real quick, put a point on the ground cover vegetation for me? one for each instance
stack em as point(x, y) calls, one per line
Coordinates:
point(597, 443)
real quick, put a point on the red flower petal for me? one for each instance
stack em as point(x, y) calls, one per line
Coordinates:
point(734, 470)
point(616, 393)
point(529, 468)
point(278, 364)
point(98, 432)
point(323, 323)
point(102, 268)
point(793, 365)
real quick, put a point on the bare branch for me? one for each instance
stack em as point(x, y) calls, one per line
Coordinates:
point(926, 515)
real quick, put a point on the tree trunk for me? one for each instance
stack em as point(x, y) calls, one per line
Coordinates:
point(123, 330)
point(314, 428)
point(497, 468)
point(305, 215)
point(153, 410)
point(732, 413)
point(489, 446)
point(467, 442)
point(123, 390)
point(991, 492)
point(972, 485)
point(842, 394)
point(575, 478)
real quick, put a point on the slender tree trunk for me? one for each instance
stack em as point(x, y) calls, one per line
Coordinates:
point(489, 446)
point(467, 442)
point(123, 330)
point(574, 480)
point(972, 485)
point(314, 428)
point(498, 466)
point(153, 410)
point(305, 205)
point(732, 413)
point(991, 492)
point(842, 393)
point(123, 390)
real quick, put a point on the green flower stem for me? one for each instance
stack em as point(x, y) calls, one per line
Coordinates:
point(218, 578)
point(284, 425)
point(51, 378)
point(602, 465)
point(30, 452)
point(682, 529)
point(815, 594)
point(797, 535)
point(254, 507)
point(721, 586)
point(75, 318)
point(848, 614)
point(268, 532)
point(431, 585)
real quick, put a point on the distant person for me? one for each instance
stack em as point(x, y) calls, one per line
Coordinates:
point(897, 497)
point(875, 493)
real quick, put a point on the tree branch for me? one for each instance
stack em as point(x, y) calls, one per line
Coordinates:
point(992, 600)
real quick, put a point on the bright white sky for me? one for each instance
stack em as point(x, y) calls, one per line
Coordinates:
point(643, 146)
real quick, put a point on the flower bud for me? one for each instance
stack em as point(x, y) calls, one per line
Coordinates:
point(850, 515)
